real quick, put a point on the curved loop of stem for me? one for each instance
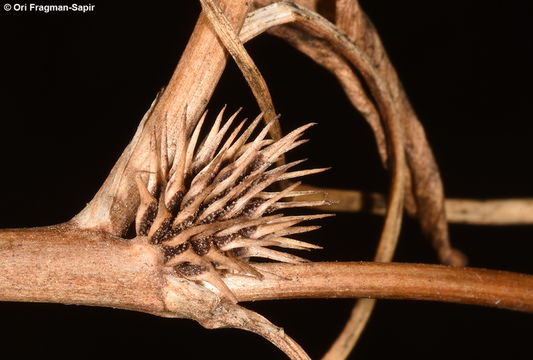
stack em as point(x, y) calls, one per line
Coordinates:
point(312, 22)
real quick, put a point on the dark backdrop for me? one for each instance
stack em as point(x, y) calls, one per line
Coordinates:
point(74, 86)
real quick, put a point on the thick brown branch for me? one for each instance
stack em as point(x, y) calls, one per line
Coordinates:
point(66, 265)
point(63, 265)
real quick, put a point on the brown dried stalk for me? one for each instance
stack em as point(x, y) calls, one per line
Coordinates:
point(461, 211)
point(103, 270)
point(86, 261)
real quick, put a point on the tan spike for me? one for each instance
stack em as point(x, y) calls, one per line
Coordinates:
point(292, 194)
point(277, 225)
point(296, 230)
point(274, 156)
point(146, 199)
point(162, 215)
point(205, 229)
point(294, 204)
point(272, 228)
point(296, 144)
point(225, 128)
point(257, 142)
point(221, 203)
point(210, 275)
point(246, 242)
point(240, 142)
point(154, 172)
point(175, 185)
point(279, 147)
point(267, 204)
point(231, 138)
point(213, 166)
point(248, 223)
point(257, 251)
point(235, 170)
point(238, 166)
point(203, 179)
point(208, 145)
point(192, 144)
point(145, 195)
point(164, 153)
point(270, 177)
point(301, 218)
point(263, 143)
point(300, 173)
point(178, 168)
point(232, 263)
point(186, 256)
point(289, 243)
point(192, 208)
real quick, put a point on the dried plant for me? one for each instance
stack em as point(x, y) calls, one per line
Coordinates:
point(207, 211)
point(187, 209)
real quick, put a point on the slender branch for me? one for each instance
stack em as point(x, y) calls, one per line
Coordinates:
point(244, 61)
point(389, 281)
point(460, 211)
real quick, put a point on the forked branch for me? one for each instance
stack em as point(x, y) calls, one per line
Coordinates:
point(86, 261)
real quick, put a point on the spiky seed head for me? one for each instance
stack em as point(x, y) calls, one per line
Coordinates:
point(207, 206)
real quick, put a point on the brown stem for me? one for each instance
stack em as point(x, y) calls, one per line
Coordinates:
point(459, 211)
point(389, 281)
point(64, 265)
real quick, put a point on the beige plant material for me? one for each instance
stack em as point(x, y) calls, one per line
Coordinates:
point(425, 179)
point(328, 51)
point(103, 270)
point(179, 264)
point(114, 206)
point(247, 66)
point(460, 211)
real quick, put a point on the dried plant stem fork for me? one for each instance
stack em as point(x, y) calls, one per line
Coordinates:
point(198, 224)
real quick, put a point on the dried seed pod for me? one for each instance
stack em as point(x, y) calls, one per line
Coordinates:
point(208, 208)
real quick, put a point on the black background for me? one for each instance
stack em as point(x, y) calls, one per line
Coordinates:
point(74, 86)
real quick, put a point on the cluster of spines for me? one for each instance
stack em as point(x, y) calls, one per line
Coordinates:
point(207, 207)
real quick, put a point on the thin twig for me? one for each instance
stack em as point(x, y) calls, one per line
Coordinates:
point(251, 73)
point(460, 211)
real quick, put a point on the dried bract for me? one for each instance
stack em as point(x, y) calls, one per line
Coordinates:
point(208, 208)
